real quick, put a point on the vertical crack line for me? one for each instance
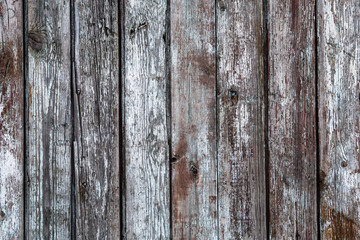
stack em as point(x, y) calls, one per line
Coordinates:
point(25, 71)
point(72, 140)
point(121, 30)
point(266, 113)
point(168, 104)
point(317, 121)
point(217, 129)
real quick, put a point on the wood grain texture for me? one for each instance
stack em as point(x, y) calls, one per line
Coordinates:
point(48, 122)
point(96, 109)
point(292, 119)
point(193, 120)
point(147, 197)
point(339, 118)
point(11, 120)
point(241, 152)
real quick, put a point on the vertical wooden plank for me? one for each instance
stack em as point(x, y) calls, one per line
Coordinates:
point(339, 118)
point(193, 116)
point(147, 198)
point(48, 126)
point(96, 100)
point(292, 119)
point(241, 152)
point(11, 120)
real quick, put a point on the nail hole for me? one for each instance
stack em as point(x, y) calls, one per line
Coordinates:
point(344, 164)
point(174, 158)
point(233, 93)
point(194, 170)
point(222, 6)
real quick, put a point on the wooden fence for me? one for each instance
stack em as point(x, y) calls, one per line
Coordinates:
point(183, 119)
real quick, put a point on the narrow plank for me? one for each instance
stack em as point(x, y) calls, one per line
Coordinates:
point(48, 121)
point(11, 120)
point(147, 195)
point(96, 112)
point(339, 118)
point(292, 119)
point(241, 152)
point(193, 120)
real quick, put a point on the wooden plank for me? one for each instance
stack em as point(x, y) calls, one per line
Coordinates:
point(193, 116)
point(96, 112)
point(339, 118)
point(11, 120)
point(241, 151)
point(147, 196)
point(292, 119)
point(49, 128)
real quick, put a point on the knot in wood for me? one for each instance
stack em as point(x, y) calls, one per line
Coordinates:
point(36, 41)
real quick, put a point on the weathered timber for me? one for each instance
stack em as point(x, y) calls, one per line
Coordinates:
point(292, 119)
point(193, 120)
point(48, 121)
point(147, 190)
point(241, 147)
point(339, 118)
point(96, 119)
point(11, 120)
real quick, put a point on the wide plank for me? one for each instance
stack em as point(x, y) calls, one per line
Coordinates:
point(96, 118)
point(193, 120)
point(11, 120)
point(147, 191)
point(48, 121)
point(292, 119)
point(339, 118)
point(241, 146)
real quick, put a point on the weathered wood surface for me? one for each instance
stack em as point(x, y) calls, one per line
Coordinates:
point(193, 120)
point(241, 148)
point(292, 119)
point(339, 118)
point(147, 196)
point(48, 121)
point(174, 119)
point(11, 120)
point(96, 113)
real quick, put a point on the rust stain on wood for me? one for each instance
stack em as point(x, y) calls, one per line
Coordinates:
point(193, 98)
point(338, 226)
point(11, 120)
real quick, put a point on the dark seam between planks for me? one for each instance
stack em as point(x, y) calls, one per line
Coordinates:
point(73, 92)
point(122, 145)
point(317, 123)
point(25, 70)
point(168, 103)
point(217, 129)
point(266, 113)
point(121, 11)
